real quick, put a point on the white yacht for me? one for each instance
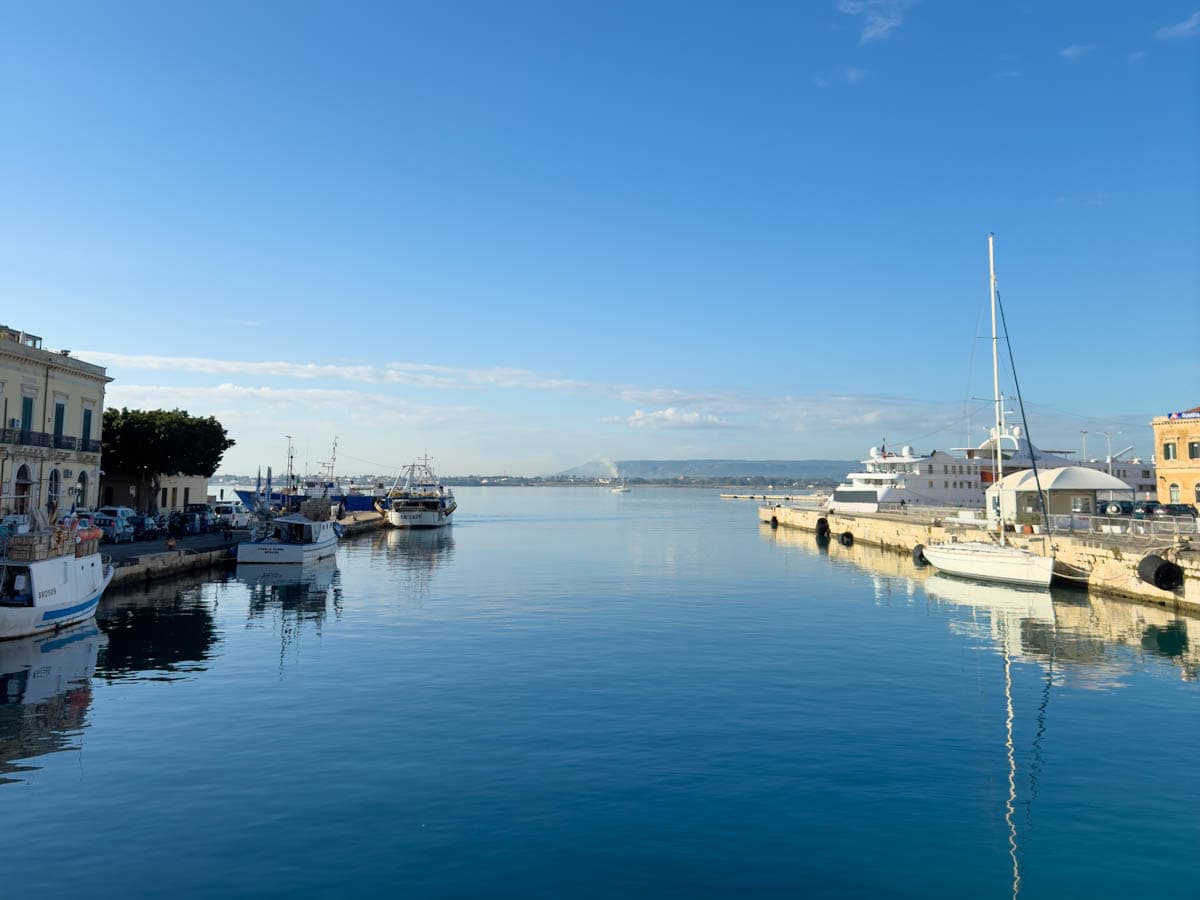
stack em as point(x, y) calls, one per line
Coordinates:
point(49, 577)
point(421, 502)
point(892, 480)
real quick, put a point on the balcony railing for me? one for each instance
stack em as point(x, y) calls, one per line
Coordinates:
point(45, 439)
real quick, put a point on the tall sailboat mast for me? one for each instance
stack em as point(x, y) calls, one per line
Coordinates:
point(998, 466)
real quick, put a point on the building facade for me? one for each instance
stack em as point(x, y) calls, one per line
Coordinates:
point(1177, 445)
point(175, 492)
point(51, 410)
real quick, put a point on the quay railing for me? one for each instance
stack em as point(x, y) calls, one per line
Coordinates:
point(1153, 529)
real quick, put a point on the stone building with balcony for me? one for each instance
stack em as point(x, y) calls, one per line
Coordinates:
point(51, 410)
point(1177, 445)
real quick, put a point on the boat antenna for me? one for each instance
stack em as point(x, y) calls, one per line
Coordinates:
point(1024, 422)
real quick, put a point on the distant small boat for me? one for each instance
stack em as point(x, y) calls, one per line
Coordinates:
point(621, 488)
point(49, 578)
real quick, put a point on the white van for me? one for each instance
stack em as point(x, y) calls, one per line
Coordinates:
point(233, 515)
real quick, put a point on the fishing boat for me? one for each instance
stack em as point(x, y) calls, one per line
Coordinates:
point(984, 560)
point(292, 539)
point(50, 577)
point(420, 502)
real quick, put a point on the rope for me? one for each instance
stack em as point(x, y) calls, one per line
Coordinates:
point(1012, 363)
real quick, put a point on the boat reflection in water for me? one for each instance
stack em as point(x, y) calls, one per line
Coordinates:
point(1090, 638)
point(290, 596)
point(415, 555)
point(45, 692)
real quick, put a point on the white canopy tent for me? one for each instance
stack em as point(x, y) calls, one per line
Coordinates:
point(1068, 489)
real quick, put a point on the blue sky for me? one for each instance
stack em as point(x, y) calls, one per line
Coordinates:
point(521, 236)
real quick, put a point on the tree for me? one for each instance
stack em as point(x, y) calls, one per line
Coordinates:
point(147, 444)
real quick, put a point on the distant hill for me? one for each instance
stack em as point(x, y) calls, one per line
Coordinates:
point(668, 469)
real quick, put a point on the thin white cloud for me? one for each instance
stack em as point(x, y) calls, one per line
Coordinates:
point(240, 401)
point(413, 374)
point(1010, 73)
point(674, 418)
point(854, 74)
point(1075, 51)
point(1188, 28)
point(1137, 55)
point(880, 17)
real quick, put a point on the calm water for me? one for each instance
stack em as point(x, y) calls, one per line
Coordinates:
point(576, 693)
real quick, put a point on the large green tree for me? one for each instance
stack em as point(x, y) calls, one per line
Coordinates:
point(149, 443)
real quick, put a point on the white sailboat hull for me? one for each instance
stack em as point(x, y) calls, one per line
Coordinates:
point(990, 562)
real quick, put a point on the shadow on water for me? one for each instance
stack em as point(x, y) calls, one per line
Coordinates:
point(45, 692)
point(158, 632)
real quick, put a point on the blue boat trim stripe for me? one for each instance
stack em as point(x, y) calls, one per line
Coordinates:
point(70, 610)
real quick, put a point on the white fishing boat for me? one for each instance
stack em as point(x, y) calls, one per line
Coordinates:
point(290, 539)
point(420, 502)
point(50, 577)
point(985, 560)
point(621, 488)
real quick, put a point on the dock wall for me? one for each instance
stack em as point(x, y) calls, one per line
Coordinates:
point(170, 563)
point(1110, 569)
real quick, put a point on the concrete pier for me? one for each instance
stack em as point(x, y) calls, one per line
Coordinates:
point(1102, 564)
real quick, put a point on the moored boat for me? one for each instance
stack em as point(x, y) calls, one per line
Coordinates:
point(291, 539)
point(421, 502)
point(985, 561)
point(49, 578)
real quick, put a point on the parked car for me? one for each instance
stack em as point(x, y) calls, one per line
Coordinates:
point(145, 528)
point(116, 530)
point(1175, 509)
point(120, 512)
point(183, 523)
point(232, 515)
point(208, 521)
point(1144, 509)
point(1116, 507)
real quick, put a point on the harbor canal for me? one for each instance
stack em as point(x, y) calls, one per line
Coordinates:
point(572, 692)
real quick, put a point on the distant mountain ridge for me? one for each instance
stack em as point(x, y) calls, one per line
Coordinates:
point(666, 469)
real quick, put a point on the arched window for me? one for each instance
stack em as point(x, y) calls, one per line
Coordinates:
point(1174, 491)
point(22, 489)
point(52, 493)
point(81, 494)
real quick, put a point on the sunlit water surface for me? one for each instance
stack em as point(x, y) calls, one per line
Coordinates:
point(577, 693)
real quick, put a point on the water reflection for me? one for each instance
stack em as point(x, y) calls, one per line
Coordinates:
point(289, 597)
point(159, 632)
point(1091, 639)
point(416, 554)
point(45, 692)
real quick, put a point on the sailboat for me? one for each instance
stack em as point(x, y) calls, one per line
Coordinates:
point(984, 560)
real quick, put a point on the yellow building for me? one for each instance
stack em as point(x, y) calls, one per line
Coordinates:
point(51, 409)
point(1177, 445)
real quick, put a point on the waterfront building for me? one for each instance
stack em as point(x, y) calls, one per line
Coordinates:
point(175, 492)
point(51, 410)
point(1177, 445)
